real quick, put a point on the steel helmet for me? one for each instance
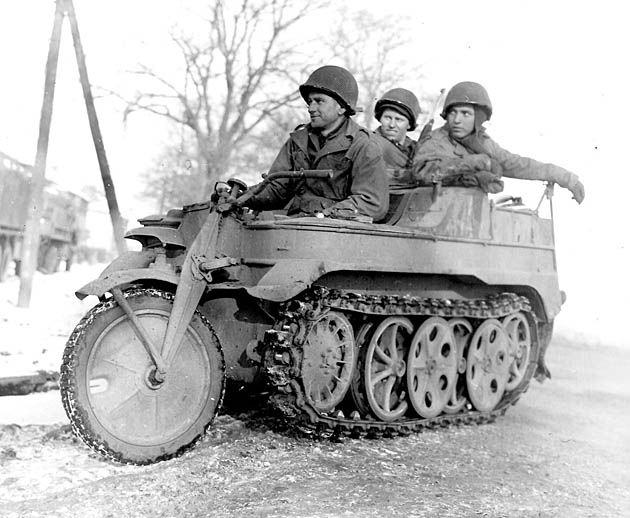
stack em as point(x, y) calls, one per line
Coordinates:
point(468, 92)
point(336, 82)
point(401, 100)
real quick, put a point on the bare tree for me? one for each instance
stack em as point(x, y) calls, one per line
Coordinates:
point(173, 179)
point(233, 82)
point(373, 49)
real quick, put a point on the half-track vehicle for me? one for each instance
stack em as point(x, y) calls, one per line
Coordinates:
point(439, 314)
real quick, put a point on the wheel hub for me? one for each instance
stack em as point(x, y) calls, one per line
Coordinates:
point(400, 368)
point(153, 379)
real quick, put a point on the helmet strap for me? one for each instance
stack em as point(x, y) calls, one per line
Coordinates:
point(480, 117)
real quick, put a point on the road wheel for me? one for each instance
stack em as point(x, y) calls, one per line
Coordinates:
point(487, 365)
point(462, 331)
point(329, 361)
point(517, 329)
point(432, 367)
point(110, 393)
point(356, 387)
point(384, 368)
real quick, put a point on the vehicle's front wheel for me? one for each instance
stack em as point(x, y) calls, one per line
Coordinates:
point(109, 391)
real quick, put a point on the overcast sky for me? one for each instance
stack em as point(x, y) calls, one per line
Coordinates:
point(556, 71)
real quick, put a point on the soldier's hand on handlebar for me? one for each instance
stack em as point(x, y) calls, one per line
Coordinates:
point(228, 203)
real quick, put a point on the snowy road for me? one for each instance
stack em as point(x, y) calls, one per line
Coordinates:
point(563, 450)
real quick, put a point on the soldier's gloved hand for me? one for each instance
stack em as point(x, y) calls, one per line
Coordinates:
point(346, 213)
point(576, 187)
point(340, 213)
point(496, 168)
point(227, 204)
point(425, 171)
point(479, 162)
point(217, 195)
point(489, 182)
point(461, 180)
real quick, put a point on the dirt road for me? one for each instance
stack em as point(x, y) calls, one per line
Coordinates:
point(564, 450)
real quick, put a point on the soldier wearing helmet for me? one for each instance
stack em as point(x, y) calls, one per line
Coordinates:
point(330, 141)
point(463, 146)
point(397, 111)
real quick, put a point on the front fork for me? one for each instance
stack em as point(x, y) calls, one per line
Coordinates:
point(191, 286)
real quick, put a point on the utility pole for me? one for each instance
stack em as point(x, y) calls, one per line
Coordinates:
point(108, 183)
point(30, 244)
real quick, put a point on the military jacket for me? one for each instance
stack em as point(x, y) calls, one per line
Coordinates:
point(440, 147)
point(395, 155)
point(398, 160)
point(358, 187)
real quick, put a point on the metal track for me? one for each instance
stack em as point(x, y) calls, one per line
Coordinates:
point(283, 352)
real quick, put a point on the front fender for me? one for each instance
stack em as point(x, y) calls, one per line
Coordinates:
point(289, 277)
point(165, 235)
point(127, 268)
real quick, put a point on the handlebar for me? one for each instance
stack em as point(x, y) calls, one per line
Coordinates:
point(302, 173)
point(269, 177)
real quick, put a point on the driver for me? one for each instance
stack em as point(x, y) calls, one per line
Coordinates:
point(332, 140)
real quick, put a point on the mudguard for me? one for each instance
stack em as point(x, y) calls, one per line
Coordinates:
point(166, 236)
point(288, 278)
point(128, 267)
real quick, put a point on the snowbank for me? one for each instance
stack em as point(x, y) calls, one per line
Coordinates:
point(32, 339)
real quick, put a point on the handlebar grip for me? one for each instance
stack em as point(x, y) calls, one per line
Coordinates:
point(302, 173)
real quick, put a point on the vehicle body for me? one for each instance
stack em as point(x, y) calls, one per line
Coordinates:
point(440, 314)
point(62, 222)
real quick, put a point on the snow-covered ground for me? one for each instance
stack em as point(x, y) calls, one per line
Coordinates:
point(33, 338)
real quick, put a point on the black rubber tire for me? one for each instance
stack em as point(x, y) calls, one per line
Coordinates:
point(124, 418)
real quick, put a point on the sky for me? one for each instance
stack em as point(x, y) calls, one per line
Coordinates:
point(556, 72)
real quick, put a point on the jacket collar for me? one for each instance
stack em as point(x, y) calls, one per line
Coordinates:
point(404, 146)
point(339, 141)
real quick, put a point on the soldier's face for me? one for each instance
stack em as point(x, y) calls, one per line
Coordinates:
point(394, 125)
point(324, 110)
point(461, 120)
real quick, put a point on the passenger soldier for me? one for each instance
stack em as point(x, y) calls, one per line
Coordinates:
point(397, 111)
point(331, 140)
point(462, 146)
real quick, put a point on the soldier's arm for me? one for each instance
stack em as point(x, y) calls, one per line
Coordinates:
point(435, 155)
point(277, 193)
point(523, 168)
